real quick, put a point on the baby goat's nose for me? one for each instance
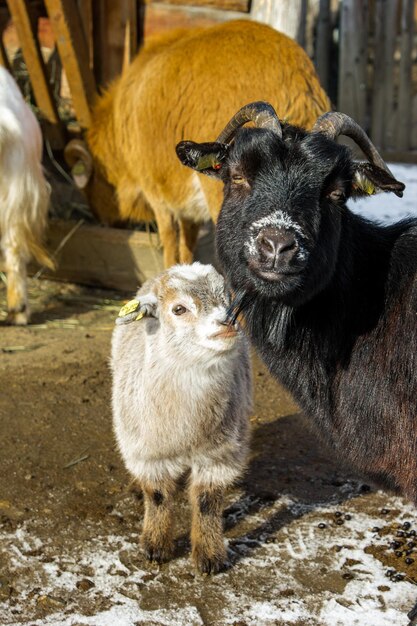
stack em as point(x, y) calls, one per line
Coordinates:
point(276, 245)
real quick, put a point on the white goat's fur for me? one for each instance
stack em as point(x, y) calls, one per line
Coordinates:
point(175, 388)
point(181, 401)
point(24, 194)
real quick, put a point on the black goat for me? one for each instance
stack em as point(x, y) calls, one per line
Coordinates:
point(329, 298)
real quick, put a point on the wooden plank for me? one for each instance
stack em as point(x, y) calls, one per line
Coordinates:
point(378, 91)
point(110, 257)
point(322, 52)
point(353, 57)
point(4, 59)
point(116, 31)
point(224, 5)
point(72, 46)
point(398, 156)
point(405, 83)
point(86, 13)
point(287, 16)
point(160, 17)
point(389, 124)
point(34, 62)
point(4, 20)
point(413, 139)
point(102, 256)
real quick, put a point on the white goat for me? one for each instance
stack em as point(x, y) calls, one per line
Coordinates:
point(24, 195)
point(181, 400)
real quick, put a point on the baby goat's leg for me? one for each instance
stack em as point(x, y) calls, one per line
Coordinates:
point(15, 265)
point(157, 534)
point(208, 549)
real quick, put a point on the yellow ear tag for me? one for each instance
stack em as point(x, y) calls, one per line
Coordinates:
point(130, 307)
point(78, 169)
point(139, 317)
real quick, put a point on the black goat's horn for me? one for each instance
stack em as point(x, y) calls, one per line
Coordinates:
point(333, 124)
point(262, 114)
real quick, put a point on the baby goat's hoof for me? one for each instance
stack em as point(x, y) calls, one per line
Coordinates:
point(209, 564)
point(159, 553)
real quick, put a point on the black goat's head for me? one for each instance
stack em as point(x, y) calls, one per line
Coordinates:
point(285, 189)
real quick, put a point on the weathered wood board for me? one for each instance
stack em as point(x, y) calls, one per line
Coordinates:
point(102, 256)
point(107, 257)
point(160, 17)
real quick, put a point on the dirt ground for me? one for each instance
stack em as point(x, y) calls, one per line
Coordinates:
point(309, 542)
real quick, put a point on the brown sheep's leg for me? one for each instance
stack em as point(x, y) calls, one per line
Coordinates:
point(167, 229)
point(157, 534)
point(17, 300)
point(208, 548)
point(188, 238)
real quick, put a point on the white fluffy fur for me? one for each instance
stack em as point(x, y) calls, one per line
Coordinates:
point(24, 194)
point(181, 397)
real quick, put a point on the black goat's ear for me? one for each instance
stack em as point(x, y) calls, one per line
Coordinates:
point(207, 158)
point(369, 179)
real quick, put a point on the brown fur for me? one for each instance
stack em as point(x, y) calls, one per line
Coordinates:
point(157, 534)
point(208, 549)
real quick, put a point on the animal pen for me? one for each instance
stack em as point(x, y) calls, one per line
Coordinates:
point(63, 52)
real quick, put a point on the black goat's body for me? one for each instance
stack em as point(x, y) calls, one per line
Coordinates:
point(329, 298)
point(348, 355)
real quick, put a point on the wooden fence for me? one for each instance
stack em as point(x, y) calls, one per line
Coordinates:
point(377, 72)
point(364, 51)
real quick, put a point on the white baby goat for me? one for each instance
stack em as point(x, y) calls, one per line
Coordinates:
point(24, 195)
point(181, 401)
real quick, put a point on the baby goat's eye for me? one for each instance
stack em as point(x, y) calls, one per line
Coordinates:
point(178, 309)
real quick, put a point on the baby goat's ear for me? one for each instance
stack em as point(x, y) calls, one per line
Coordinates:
point(207, 158)
point(143, 305)
point(369, 179)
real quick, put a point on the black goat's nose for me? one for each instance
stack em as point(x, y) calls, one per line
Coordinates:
point(276, 245)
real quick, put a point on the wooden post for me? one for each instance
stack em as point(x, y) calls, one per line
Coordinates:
point(72, 47)
point(322, 60)
point(353, 57)
point(4, 18)
point(377, 93)
point(404, 91)
point(287, 16)
point(390, 38)
point(4, 61)
point(36, 68)
point(116, 31)
point(86, 13)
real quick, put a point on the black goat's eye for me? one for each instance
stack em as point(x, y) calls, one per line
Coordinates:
point(238, 180)
point(178, 309)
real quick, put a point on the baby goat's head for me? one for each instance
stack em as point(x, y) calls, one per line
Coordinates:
point(187, 308)
point(285, 190)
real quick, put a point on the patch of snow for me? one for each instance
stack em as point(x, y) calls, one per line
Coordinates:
point(126, 614)
point(301, 555)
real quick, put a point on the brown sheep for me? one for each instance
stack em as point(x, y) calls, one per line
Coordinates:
point(185, 83)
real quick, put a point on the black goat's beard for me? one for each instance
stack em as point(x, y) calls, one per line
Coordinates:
point(242, 301)
point(261, 317)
